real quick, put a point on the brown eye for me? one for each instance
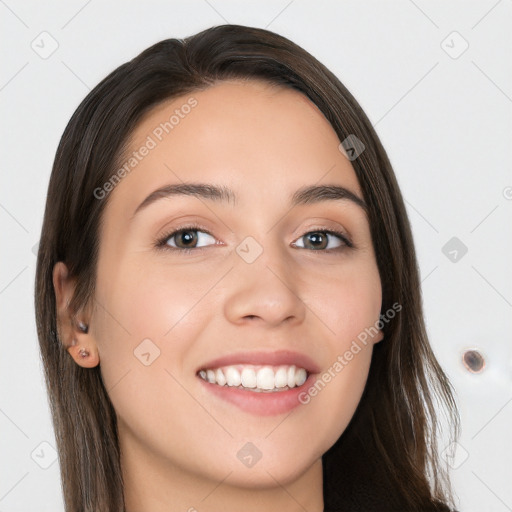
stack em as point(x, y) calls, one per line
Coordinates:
point(319, 240)
point(185, 239)
point(188, 238)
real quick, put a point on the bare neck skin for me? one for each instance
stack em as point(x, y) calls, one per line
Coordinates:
point(148, 488)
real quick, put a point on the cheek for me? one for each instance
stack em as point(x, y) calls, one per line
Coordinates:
point(148, 322)
point(144, 337)
point(349, 306)
point(348, 303)
point(150, 301)
point(336, 394)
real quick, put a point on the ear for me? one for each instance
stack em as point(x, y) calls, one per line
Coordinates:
point(74, 330)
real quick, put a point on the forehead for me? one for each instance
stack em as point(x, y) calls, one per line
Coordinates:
point(260, 140)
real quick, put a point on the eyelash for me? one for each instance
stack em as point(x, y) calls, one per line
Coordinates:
point(161, 243)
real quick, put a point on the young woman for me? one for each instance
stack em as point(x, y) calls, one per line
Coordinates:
point(227, 294)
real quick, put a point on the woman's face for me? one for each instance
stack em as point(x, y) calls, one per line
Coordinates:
point(264, 286)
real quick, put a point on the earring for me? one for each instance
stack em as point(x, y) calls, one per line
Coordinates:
point(83, 327)
point(83, 352)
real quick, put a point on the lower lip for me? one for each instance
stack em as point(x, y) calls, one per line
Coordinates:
point(264, 403)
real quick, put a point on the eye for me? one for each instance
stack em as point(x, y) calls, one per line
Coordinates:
point(317, 240)
point(185, 238)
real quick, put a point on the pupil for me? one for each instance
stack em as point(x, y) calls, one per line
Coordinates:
point(315, 238)
point(186, 235)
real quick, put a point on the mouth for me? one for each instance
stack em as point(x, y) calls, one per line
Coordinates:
point(259, 383)
point(256, 378)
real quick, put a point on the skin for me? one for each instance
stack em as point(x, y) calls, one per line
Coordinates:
point(179, 443)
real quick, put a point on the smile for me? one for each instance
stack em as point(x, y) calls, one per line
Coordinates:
point(256, 378)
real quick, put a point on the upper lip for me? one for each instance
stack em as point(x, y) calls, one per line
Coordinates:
point(275, 358)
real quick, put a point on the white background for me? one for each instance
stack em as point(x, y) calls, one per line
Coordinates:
point(444, 119)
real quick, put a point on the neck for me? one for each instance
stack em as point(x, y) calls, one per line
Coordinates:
point(153, 485)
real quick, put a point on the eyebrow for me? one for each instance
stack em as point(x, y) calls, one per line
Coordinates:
point(222, 194)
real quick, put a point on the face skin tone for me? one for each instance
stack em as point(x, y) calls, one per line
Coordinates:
point(180, 442)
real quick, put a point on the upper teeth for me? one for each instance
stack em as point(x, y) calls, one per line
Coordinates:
point(256, 377)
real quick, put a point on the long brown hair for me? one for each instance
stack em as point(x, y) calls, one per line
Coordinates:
point(387, 458)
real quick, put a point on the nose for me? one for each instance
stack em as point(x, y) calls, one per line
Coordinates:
point(265, 291)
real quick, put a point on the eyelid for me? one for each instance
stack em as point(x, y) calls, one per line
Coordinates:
point(337, 230)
